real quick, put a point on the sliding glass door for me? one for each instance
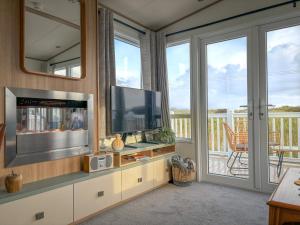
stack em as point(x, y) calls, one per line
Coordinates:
point(226, 109)
point(280, 99)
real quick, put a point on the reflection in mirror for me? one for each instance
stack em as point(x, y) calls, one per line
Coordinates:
point(52, 37)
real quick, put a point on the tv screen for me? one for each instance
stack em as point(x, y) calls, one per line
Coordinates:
point(134, 110)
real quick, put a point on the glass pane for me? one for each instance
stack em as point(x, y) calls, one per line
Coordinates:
point(76, 71)
point(227, 108)
point(283, 78)
point(44, 115)
point(128, 64)
point(178, 62)
point(61, 71)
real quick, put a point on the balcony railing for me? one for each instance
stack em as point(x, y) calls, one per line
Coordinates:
point(181, 125)
point(287, 124)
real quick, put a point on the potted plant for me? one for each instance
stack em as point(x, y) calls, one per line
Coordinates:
point(166, 135)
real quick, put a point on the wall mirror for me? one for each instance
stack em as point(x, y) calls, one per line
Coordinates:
point(53, 38)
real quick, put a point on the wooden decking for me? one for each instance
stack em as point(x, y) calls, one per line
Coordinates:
point(217, 165)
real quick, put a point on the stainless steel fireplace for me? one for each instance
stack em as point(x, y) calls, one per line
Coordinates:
point(46, 125)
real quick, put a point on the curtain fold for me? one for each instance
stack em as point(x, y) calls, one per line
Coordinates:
point(153, 61)
point(148, 60)
point(145, 60)
point(107, 70)
point(154, 69)
point(162, 77)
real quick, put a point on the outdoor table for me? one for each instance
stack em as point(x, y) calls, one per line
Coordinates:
point(280, 151)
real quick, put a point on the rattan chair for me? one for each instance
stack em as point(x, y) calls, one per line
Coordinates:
point(238, 143)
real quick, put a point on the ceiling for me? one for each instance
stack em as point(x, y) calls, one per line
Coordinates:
point(155, 14)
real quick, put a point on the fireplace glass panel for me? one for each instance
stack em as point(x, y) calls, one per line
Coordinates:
point(41, 116)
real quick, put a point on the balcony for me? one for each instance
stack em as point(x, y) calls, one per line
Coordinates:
point(286, 124)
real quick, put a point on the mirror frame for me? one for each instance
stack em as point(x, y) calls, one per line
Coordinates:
point(82, 44)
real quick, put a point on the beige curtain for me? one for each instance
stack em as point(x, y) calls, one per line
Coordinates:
point(148, 60)
point(162, 77)
point(107, 71)
point(154, 69)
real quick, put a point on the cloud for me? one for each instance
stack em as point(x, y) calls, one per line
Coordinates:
point(179, 91)
point(284, 75)
point(227, 87)
point(289, 35)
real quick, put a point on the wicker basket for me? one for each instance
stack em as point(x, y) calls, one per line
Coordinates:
point(183, 177)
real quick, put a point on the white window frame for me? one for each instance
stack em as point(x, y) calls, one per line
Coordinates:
point(176, 43)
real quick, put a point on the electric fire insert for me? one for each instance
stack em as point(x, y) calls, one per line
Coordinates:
point(46, 125)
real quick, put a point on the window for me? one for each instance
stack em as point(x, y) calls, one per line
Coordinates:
point(75, 71)
point(128, 64)
point(178, 63)
point(68, 70)
point(61, 71)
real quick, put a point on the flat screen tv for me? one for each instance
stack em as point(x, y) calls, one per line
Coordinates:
point(134, 110)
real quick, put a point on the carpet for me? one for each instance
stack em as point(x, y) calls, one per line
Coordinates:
point(198, 204)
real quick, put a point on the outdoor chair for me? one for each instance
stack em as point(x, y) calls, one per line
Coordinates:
point(238, 143)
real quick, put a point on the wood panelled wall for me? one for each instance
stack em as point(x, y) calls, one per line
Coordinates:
point(12, 76)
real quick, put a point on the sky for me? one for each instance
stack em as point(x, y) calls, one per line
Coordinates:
point(178, 65)
point(227, 74)
point(128, 64)
point(227, 70)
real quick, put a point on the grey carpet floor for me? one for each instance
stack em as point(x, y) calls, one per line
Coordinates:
point(201, 204)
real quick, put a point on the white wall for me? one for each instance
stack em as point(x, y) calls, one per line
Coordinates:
point(35, 65)
point(186, 149)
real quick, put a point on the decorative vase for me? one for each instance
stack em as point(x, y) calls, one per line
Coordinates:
point(117, 144)
point(13, 182)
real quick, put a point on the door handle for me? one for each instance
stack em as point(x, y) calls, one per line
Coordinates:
point(250, 111)
point(262, 110)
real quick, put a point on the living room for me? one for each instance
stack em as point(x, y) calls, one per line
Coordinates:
point(149, 112)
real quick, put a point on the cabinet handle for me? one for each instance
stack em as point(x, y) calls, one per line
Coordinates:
point(167, 170)
point(100, 193)
point(39, 215)
point(140, 180)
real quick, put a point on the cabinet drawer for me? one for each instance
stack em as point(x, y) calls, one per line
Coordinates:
point(137, 180)
point(53, 208)
point(96, 194)
point(162, 172)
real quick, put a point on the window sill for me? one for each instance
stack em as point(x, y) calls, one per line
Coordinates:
point(184, 140)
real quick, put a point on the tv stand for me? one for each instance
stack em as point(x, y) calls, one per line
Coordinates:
point(124, 137)
point(131, 146)
point(143, 141)
point(127, 156)
point(151, 142)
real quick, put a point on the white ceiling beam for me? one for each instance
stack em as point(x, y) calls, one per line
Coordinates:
point(52, 17)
